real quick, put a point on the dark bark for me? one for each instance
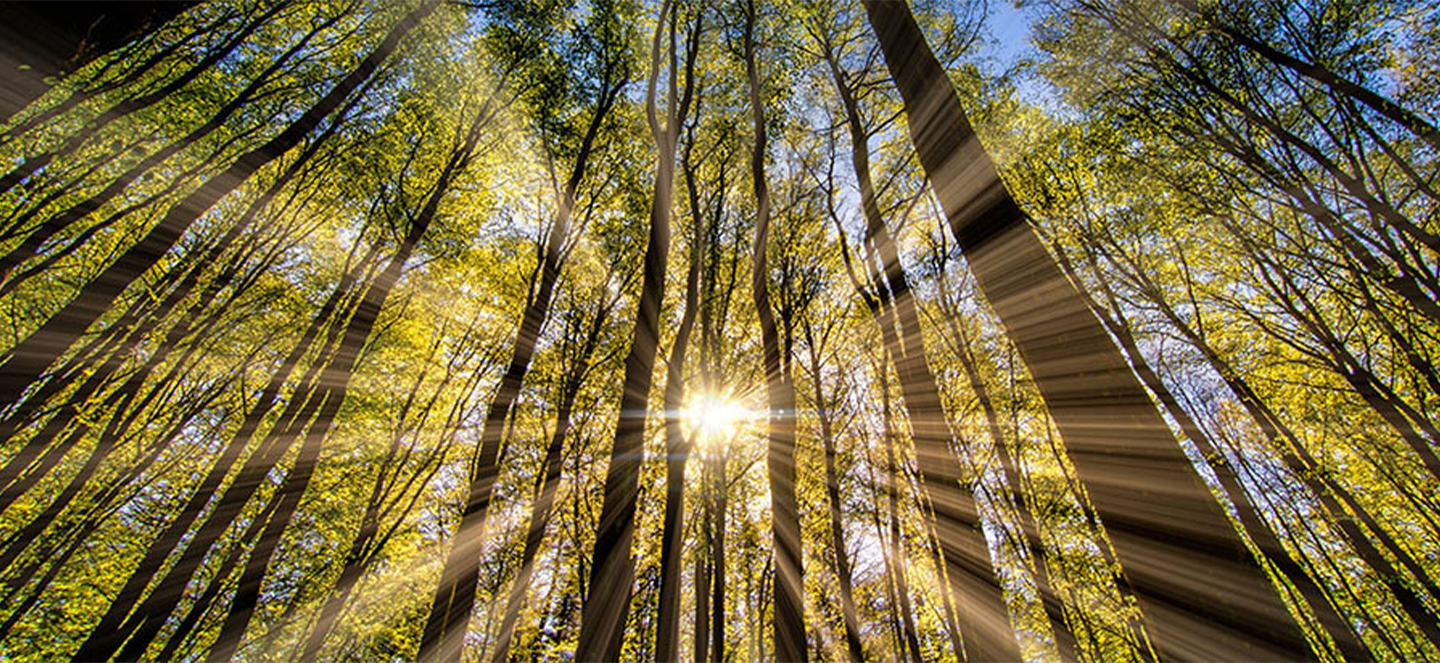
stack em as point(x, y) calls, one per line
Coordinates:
point(607, 604)
point(74, 213)
point(970, 571)
point(131, 105)
point(718, 462)
point(119, 622)
point(702, 589)
point(337, 375)
point(677, 443)
point(219, 585)
point(1326, 612)
point(1335, 498)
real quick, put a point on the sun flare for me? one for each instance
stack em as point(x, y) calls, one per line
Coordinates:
point(716, 416)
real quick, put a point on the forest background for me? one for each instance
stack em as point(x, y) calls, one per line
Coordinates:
point(724, 329)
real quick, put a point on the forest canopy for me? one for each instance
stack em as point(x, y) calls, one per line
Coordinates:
point(720, 330)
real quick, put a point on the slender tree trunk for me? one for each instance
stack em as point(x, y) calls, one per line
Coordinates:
point(678, 446)
point(892, 600)
point(832, 493)
point(677, 443)
point(221, 583)
point(1164, 523)
point(366, 541)
point(780, 394)
point(547, 486)
point(612, 571)
point(31, 245)
point(718, 470)
point(119, 622)
point(535, 533)
point(1029, 525)
point(991, 636)
point(1334, 497)
point(898, 556)
point(702, 587)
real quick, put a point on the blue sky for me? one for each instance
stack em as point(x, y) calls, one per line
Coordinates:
point(1009, 32)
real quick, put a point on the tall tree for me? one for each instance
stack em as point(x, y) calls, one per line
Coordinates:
point(336, 382)
point(582, 342)
point(789, 638)
point(607, 605)
point(815, 346)
point(677, 442)
point(1151, 500)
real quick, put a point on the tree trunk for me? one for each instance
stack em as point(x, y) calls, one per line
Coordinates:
point(337, 375)
point(677, 443)
point(1029, 525)
point(832, 493)
point(702, 590)
point(899, 560)
point(1331, 620)
point(1167, 529)
point(971, 569)
point(1334, 497)
point(547, 486)
point(718, 462)
point(118, 622)
point(612, 571)
point(780, 395)
point(78, 211)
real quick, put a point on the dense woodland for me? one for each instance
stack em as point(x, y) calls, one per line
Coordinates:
point(724, 330)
